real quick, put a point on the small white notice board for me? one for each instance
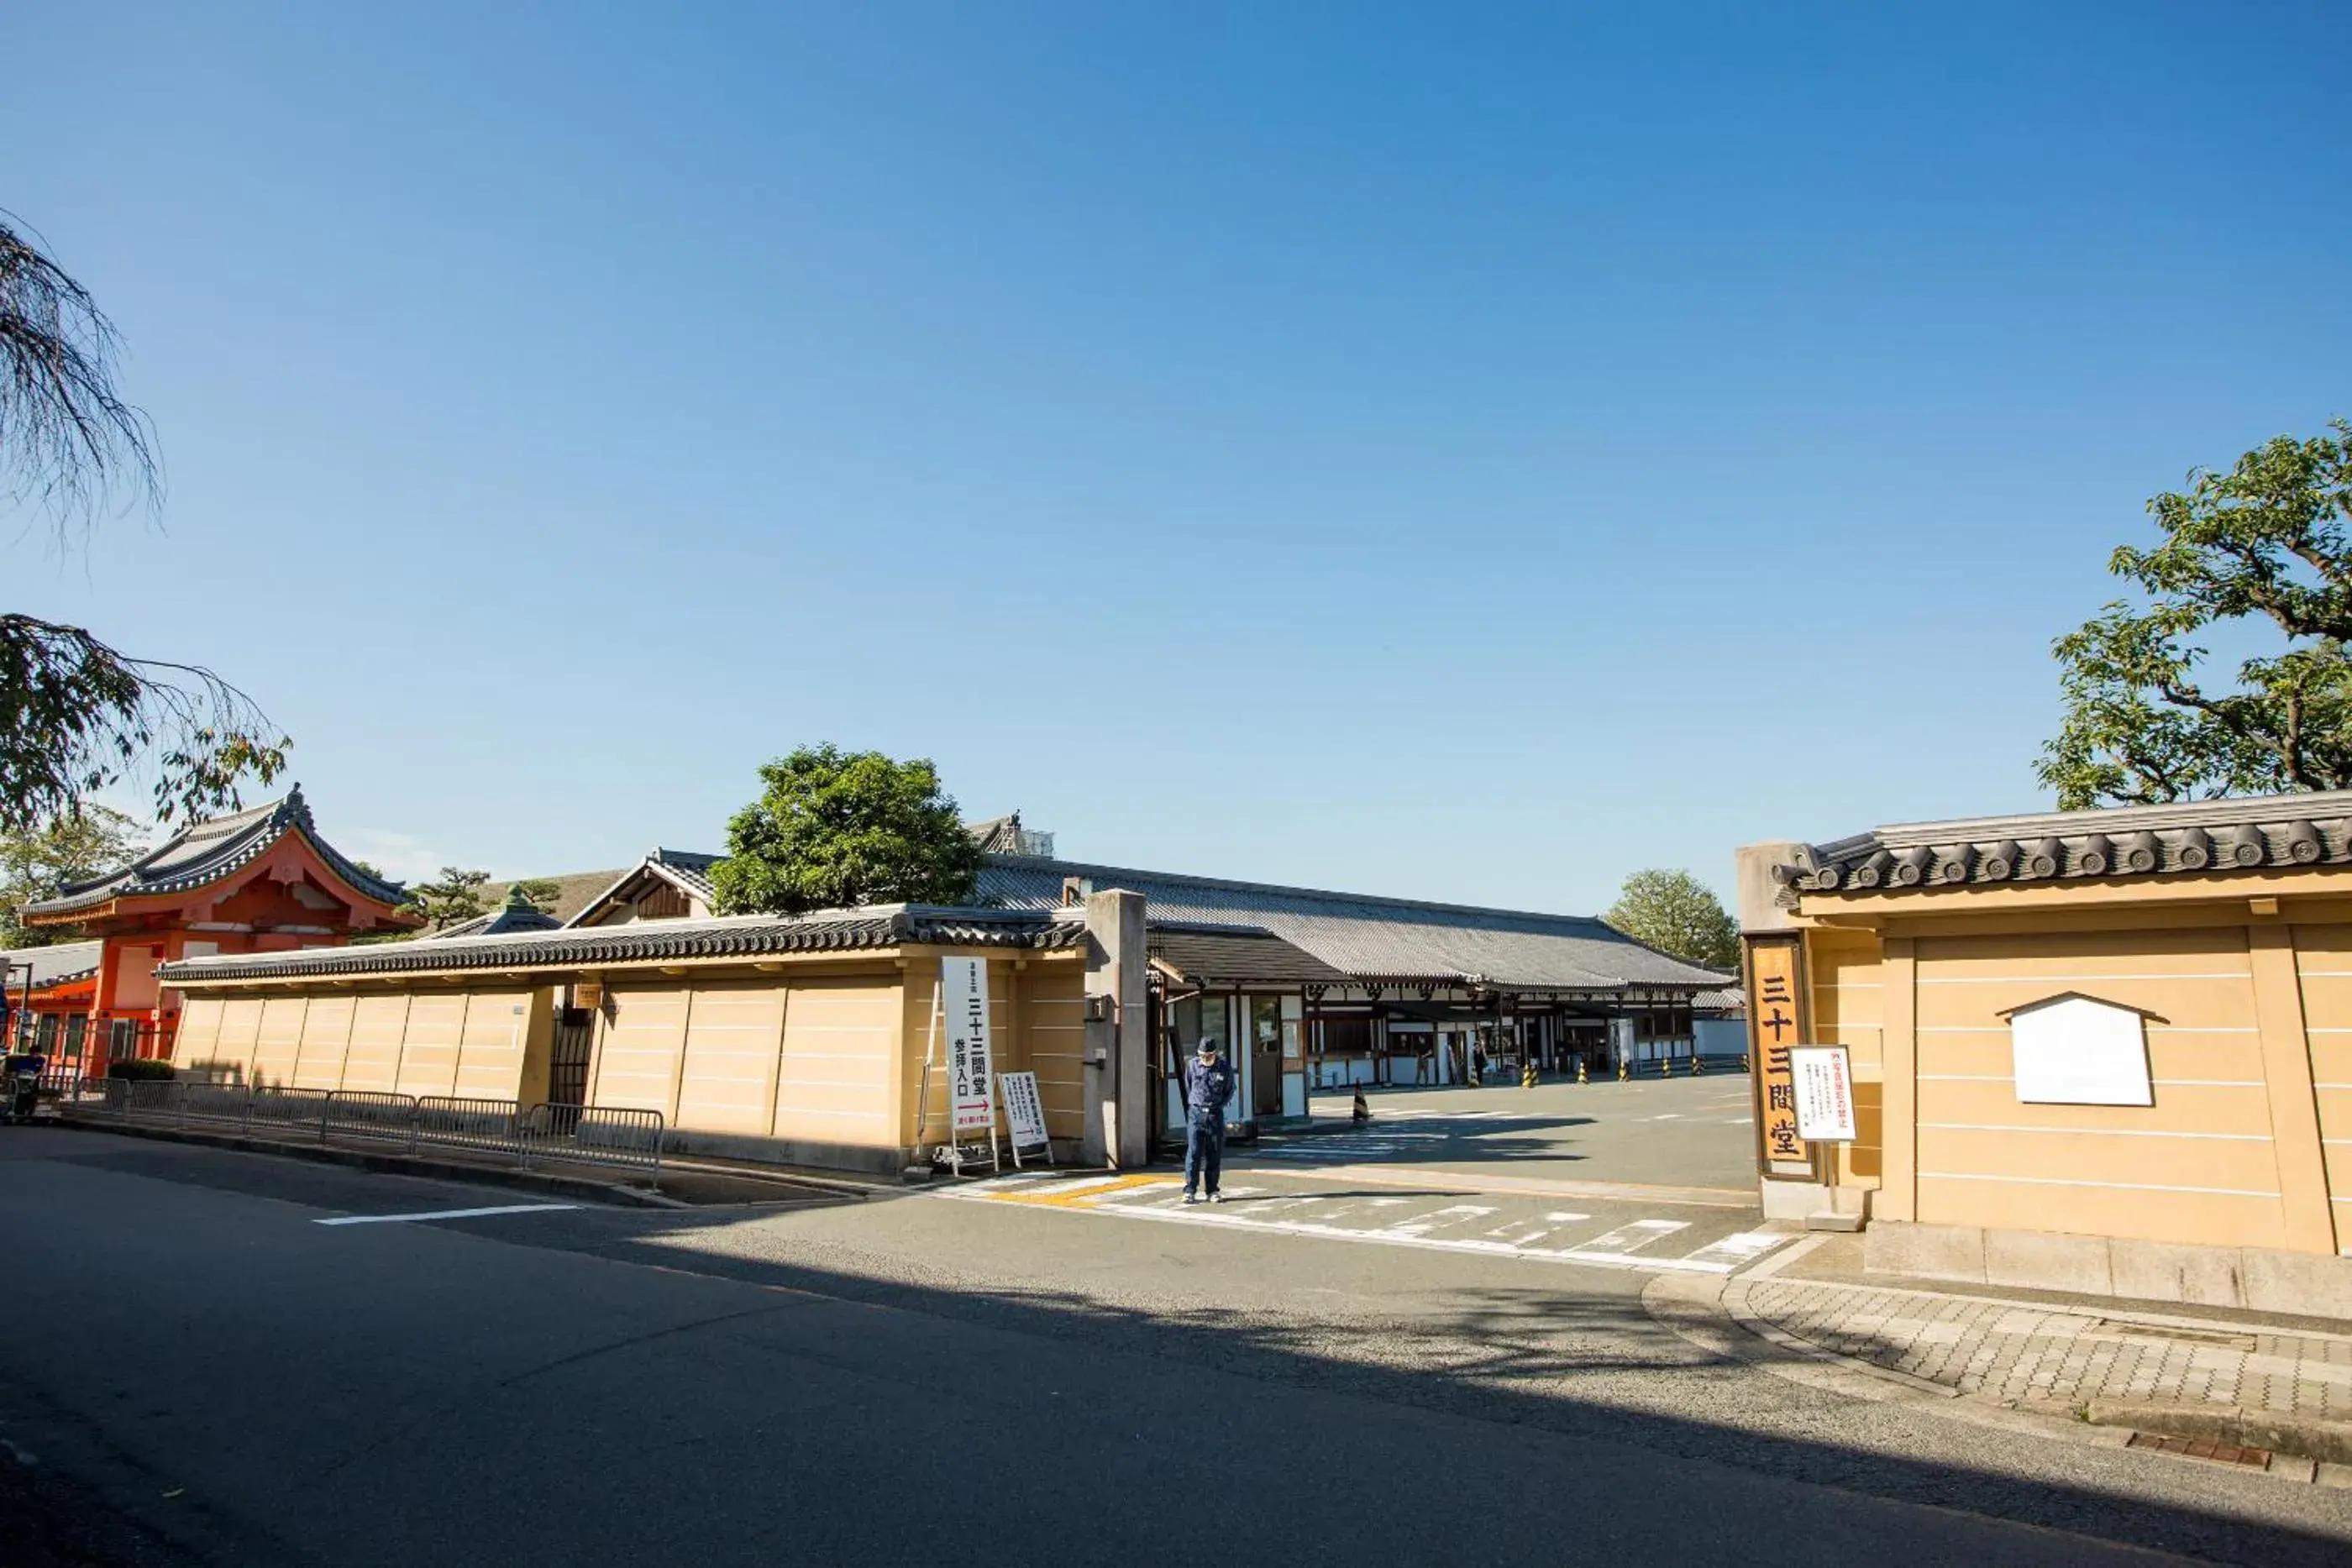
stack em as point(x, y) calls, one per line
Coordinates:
point(1025, 1116)
point(1824, 1084)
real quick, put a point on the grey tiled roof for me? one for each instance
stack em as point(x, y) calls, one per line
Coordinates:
point(1219, 955)
point(731, 937)
point(689, 869)
point(574, 889)
point(685, 870)
point(519, 914)
point(53, 966)
point(1373, 938)
point(2203, 837)
point(210, 851)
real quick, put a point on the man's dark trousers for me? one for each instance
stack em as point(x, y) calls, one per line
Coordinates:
point(1204, 1150)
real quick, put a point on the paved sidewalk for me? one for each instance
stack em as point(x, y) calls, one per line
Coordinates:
point(2019, 1351)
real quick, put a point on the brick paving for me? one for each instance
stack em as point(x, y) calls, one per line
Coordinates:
point(2016, 1351)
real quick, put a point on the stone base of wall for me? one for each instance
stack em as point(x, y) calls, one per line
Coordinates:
point(2252, 1278)
point(860, 1157)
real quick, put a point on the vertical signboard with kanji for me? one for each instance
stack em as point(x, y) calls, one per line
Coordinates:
point(972, 1100)
point(1776, 1024)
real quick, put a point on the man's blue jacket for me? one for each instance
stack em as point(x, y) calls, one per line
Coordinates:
point(1207, 1085)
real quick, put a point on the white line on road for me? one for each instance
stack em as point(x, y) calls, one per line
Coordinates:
point(445, 1214)
point(1630, 1238)
point(1422, 1225)
point(1737, 1250)
point(1616, 1249)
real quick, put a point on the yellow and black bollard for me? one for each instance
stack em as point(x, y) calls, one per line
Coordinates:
point(1624, 1071)
point(1694, 1066)
point(1582, 1075)
point(1528, 1077)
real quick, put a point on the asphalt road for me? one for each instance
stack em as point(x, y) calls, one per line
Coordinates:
point(914, 1379)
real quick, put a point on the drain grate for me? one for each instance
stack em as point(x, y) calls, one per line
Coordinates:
point(2185, 1336)
point(2227, 1453)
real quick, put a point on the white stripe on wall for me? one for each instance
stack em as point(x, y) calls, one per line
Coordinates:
point(2096, 1131)
point(2159, 1082)
point(2040, 979)
point(2117, 1185)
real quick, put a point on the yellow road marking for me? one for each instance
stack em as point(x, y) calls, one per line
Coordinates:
point(1060, 1196)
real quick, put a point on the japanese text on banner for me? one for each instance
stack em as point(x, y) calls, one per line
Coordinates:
point(1773, 1027)
point(963, 989)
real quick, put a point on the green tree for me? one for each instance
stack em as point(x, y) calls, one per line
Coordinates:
point(75, 713)
point(453, 898)
point(540, 892)
point(2148, 719)
point(75, 847)
point(834, 829)
point(1675, 913)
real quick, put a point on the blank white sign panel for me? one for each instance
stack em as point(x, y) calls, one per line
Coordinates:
point(2078, 1050)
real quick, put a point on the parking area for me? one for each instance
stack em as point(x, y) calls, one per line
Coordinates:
point(1676, 1133)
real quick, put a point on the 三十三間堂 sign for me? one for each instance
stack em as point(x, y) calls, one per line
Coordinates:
point(963, 992)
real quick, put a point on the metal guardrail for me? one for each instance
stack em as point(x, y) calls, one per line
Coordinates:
point(590, 1134)
point(464, 1123)
point(594, 1134)
point(364, 1116)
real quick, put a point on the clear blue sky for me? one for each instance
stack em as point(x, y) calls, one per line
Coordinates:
point(1402, 448)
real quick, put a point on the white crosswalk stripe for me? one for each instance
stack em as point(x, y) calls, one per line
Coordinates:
point(1428, 1221)
point(1633, 1238)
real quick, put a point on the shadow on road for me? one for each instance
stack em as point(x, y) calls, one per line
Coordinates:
point(1515, 1355)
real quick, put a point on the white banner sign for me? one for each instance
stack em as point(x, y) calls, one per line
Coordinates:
point(1025, 1113)
point(1824, 1093)
point(963, 992)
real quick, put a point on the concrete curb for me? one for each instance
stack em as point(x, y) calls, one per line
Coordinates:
point(390, 1164)
point(2306, 1436)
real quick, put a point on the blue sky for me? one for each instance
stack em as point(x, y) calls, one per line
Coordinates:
point(1469, 453)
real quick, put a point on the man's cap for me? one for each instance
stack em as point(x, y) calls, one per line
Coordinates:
point(1208, 1045)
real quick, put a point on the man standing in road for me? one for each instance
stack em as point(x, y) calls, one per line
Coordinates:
point(1208, 1085)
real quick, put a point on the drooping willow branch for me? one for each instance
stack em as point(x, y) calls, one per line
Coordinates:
point(76, 716)
point(68, 443)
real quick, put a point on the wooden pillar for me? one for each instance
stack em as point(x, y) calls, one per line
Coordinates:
point(2294, 1105)
point(1898, 1135)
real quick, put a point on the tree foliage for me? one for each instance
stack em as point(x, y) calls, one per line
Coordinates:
point(76, 716)
point(74, 847)
point(70, 439)
point(75, 713)
point(450, 899)
point(834, 828)
point(2263, 545)
point(1675, 913)
point(540, 892)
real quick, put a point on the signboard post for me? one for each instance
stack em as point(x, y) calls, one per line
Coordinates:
point(1024, 1117)
point(972, 1102)
point(1775, 1023)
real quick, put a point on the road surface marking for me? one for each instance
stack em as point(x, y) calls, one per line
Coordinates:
point(1308, 1216)
point(1737, 1250)
point(1431, 1221)
point(445, 1214)
point(1630, 1237)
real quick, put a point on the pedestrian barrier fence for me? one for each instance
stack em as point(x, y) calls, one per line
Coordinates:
point(465, 1123)
point(583, 1135)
